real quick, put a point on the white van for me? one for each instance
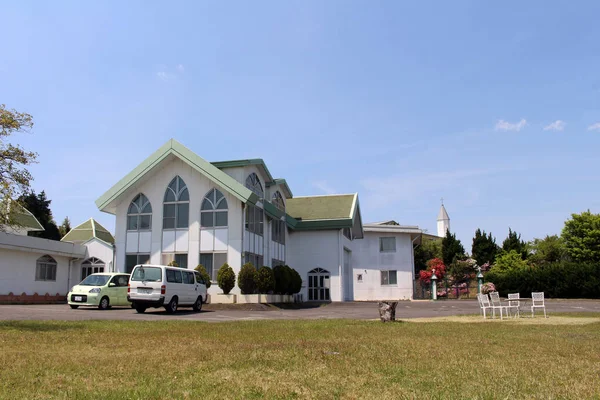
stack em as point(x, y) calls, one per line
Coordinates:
point(171, 287)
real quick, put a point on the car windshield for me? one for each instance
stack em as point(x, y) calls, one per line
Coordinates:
point(95, 280)
point(151, 274)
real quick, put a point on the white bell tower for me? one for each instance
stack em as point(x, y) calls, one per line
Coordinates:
point(443, 221)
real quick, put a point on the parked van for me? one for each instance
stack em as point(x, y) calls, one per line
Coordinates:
point(162, 286)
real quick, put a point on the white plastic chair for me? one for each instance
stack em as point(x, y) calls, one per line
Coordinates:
point(496, 305)
point(484, 303)
point(537, 301)
point(514, 305)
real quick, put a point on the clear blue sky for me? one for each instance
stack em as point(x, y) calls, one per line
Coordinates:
point(492, 107)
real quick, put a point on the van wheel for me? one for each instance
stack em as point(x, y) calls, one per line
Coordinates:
point(104, 303)
point(172, 306)
point(140, 309)
point(74, 306)
point(198, 304)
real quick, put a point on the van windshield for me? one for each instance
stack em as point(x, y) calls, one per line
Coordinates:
point(95, 280)
point(151, 274)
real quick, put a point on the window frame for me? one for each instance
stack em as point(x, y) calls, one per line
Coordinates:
point(391, 239)
point(253, 183)
point(214, 203)
point(255, 220)
point(178, 204)
point(278, 231)
point(139, 214)
point(212, 272)
point(386, 273)
point(47, 266)
point(146, 256)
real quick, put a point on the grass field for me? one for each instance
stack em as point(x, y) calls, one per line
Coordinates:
point(458, 357)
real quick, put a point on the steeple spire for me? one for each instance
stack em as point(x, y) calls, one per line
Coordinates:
point(443, 221)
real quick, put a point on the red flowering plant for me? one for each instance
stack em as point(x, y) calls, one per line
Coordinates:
point(435, 264)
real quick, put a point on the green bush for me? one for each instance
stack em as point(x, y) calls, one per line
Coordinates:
point(283, 278)
point(556, 280)
point(226, 278)
point(247, 279)
point(173, 264)
point(509, 261)
point(205, 276)
point(265, 280)
point(296, 285)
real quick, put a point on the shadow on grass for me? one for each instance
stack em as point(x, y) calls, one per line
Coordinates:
point(40, 326)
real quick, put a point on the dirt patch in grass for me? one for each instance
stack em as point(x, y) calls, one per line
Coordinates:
point(313, 359)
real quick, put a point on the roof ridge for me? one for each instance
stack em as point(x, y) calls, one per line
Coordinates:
point(325, 195)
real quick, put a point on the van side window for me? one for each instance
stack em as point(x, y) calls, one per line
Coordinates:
point(188, 277)
point(199, 278)
point(173, 276)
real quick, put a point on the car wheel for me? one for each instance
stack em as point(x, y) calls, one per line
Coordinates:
point(172, 306)
point(104, 303)
point(74, 306)
point(140, 309)
point(198, 304)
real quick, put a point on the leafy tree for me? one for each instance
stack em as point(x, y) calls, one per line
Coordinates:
point(15, 179)
point(547, 250)
point(581, 235)
point(435, 264)
point(509, 261)
point(247, 279)
point(296, 285)
point(65, 227)
point(452, 248)
point(39, 206)
point(427, 250)
point(265, 280)
point(173, 263)
point(513, 242)
point(205, 276)
point(484, 247)
point(226, 278)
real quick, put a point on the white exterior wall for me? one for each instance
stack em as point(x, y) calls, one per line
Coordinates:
point(17, 274)
point(443, 225)
point(369, 261)
point(312, 249)
point(153, 187)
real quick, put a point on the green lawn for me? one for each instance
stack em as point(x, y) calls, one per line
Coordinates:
point(459, 357)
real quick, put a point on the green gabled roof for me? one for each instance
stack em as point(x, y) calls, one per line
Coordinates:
point(25, 219)
point(173, 147)
point(324, 212)
point(321, 207)
point(286, 188)
point(243, 163)
point(88, 230)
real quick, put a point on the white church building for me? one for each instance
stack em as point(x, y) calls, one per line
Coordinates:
point(176, 206)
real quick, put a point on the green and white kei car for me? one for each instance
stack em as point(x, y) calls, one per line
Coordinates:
point(100, 290)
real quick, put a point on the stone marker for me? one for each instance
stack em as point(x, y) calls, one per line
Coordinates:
point(387, 310)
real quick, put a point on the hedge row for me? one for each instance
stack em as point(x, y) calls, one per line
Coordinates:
point(280, 280)
point(558, 280)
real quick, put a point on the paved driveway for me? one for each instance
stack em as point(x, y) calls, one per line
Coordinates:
point(356, 310)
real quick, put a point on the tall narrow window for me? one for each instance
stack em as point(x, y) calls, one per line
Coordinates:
point(213, 212)
point(139, 214)
point(45, 269)
point(176, 206)
point(277, 201)
point(254, 219)
point(253, 183)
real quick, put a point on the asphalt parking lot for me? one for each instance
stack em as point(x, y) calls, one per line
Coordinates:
point(213, 313)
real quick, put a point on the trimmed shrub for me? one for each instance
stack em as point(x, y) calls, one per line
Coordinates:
point(296, 282)
point(557, 280)
point(202, 271)
point(247, 279)
point(226, 278)
point(283, 279)
point(173, 264)
point(265, 280)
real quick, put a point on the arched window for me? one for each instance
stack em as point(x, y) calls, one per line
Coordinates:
point(277, 201)
point(318, 285)
point(90, 266)
point(253, 183)
point(139, 214)
point(176, 206)
point(213, 212)
point(45, 269)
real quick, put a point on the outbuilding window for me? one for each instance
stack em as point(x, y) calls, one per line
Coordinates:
point(388, 278)
point(45, 269)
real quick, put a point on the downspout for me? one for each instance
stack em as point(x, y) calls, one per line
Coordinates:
point(412, 258)
point(340, 266)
